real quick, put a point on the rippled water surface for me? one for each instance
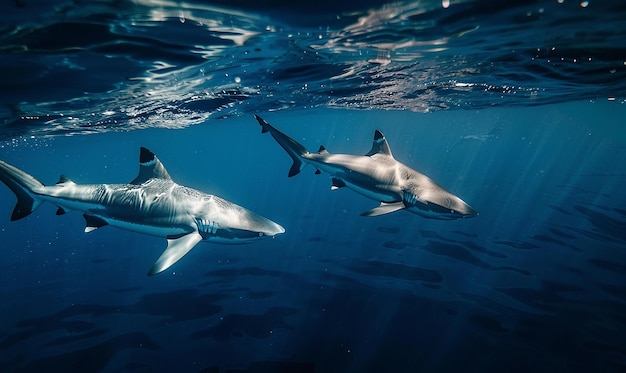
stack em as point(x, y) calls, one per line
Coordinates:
point(515, 106)
point(98, 65)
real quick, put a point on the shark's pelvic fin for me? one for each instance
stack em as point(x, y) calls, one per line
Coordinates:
point(384, 208)
point(150, 168)
point(337, 183)
point(379, 145)
point(176, 249)
point(92, 222)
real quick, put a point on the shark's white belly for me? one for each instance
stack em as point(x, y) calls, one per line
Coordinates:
point(153, 230)
point(382, 194)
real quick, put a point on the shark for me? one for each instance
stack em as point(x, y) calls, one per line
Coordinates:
point(152, 204)
point(377, 175)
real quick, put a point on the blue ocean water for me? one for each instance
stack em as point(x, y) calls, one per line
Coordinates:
point(518, 108)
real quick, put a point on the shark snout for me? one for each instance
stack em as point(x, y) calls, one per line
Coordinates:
point(273, 229)
point(263, 226)
point(468, 212)
point(462, 209)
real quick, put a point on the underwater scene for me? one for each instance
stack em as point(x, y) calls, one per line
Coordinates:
point(274, 186)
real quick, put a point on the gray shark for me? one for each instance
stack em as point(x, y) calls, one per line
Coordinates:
point(152, 204)
point(377, 175)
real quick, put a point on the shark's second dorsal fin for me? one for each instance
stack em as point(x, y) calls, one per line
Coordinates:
point(150, 168)
point(379, 145)
point(64, 180)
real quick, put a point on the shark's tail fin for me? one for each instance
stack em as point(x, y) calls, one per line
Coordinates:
point(24, 186)
point(291, 146)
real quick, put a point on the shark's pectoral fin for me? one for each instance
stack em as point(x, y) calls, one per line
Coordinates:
point(384, 208)
point(337, 183)
point(92, 222)
point(176, 249)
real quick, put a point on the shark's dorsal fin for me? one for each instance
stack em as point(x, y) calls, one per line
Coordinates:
point(150, 168)
point(322, 150)
point(379, 145)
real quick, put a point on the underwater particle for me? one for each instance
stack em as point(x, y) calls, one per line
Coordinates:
point(584, 4)
point(445, 3)
point(237, 79)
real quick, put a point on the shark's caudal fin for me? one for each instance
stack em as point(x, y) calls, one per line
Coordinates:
point(25, 188)
point(379, 145)
point(150, 168)
point(291, 146)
